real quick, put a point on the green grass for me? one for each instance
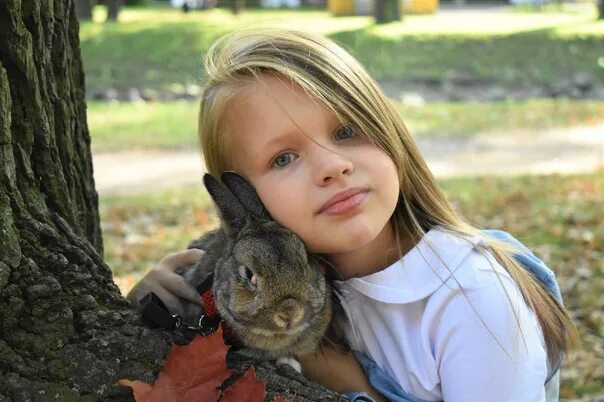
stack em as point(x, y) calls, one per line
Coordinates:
point(172, 125)
point(144, 126)
point(158, 48)
point(560, 217)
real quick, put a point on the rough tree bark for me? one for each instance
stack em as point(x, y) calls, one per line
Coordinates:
point(66, 333)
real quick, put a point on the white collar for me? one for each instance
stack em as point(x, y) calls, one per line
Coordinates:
point(420, 272)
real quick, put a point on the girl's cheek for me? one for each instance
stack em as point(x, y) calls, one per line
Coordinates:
point(286, 215)
point(284, 207)
point(273, 206)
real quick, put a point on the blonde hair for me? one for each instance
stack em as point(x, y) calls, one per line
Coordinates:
point(331, 75)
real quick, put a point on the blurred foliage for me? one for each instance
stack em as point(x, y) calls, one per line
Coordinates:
point(144, 3)
point(141, 229)
point(172, 125)
point(159, 48)
point(560, 217)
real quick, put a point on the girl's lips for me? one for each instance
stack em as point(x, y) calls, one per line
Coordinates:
point(346, 205)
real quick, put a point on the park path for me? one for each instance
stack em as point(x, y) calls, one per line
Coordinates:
point(579, 149)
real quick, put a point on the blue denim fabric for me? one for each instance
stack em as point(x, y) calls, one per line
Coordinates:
point(392, 390)
point(382, 382)
point(535, 266)
point(530, 262)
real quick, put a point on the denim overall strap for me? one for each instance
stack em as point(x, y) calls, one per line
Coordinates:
point(530, 262)
point(539, 270)
point(382, 382)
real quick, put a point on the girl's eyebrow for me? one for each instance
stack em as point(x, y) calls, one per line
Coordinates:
point(297, 131)
point(279, 139)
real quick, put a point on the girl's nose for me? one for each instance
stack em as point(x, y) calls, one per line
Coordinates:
point(331, 166)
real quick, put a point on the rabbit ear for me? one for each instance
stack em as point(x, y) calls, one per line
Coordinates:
point(245, 192)
point(232, 211)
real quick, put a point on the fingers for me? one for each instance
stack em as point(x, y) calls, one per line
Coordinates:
point(174, 304)
point(177, 285)
point(180, 259)
point(165, 276)
point(170, 287)
point(192, 310)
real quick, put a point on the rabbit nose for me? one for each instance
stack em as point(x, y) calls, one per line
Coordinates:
point(289, 314)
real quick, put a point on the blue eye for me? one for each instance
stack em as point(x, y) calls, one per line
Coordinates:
point(344, 132)
point(284, 159)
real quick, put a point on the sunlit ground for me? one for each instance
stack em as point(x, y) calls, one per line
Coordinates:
point(172, 125)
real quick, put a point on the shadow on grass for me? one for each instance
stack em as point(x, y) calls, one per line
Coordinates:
point(152, 58)
point(158, 57)
point(531, 57)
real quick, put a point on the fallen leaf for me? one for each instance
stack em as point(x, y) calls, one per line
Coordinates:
point(246, 389)
point(191, 373)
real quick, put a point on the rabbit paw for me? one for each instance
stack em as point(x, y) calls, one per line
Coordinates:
point(291, 361)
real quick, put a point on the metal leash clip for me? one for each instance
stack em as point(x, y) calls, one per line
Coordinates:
point(205, 325)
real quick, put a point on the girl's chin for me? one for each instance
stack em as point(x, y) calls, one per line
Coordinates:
point(350, 245)
point(346, 237)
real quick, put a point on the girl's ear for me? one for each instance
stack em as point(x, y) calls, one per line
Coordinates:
point(245, 192)
point(232, 212)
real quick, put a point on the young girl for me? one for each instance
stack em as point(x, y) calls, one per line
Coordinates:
point(438, 310)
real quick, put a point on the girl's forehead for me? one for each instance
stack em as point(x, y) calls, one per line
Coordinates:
point(278, 89)
point(272, 106)
point(264, 116)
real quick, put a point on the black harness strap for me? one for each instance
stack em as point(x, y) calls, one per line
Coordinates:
point(156, 314)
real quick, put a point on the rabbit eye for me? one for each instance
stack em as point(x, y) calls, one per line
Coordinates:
point(248, 274)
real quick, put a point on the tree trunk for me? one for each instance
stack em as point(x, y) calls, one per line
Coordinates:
point(65, 330)
point(600, 4)
point(237, 6)
point(387, 11)
point(113, 9)
point(83, 9)
point(66, 333)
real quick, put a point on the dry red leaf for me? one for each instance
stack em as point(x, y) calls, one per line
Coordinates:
point(245, 389)
point(195, 371)
point(191, 373)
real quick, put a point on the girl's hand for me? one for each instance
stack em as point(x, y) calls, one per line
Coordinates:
point(180, 297)
point(338, 371)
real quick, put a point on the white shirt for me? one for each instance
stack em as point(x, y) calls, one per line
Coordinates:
point(441, 342)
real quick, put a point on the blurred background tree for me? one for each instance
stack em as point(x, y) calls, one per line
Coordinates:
point(387, 11)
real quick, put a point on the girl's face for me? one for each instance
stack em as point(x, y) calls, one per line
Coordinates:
point(299, 156)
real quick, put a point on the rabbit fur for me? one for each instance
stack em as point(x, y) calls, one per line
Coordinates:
point(267, 288)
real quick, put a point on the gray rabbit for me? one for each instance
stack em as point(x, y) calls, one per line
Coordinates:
point(267, 288)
